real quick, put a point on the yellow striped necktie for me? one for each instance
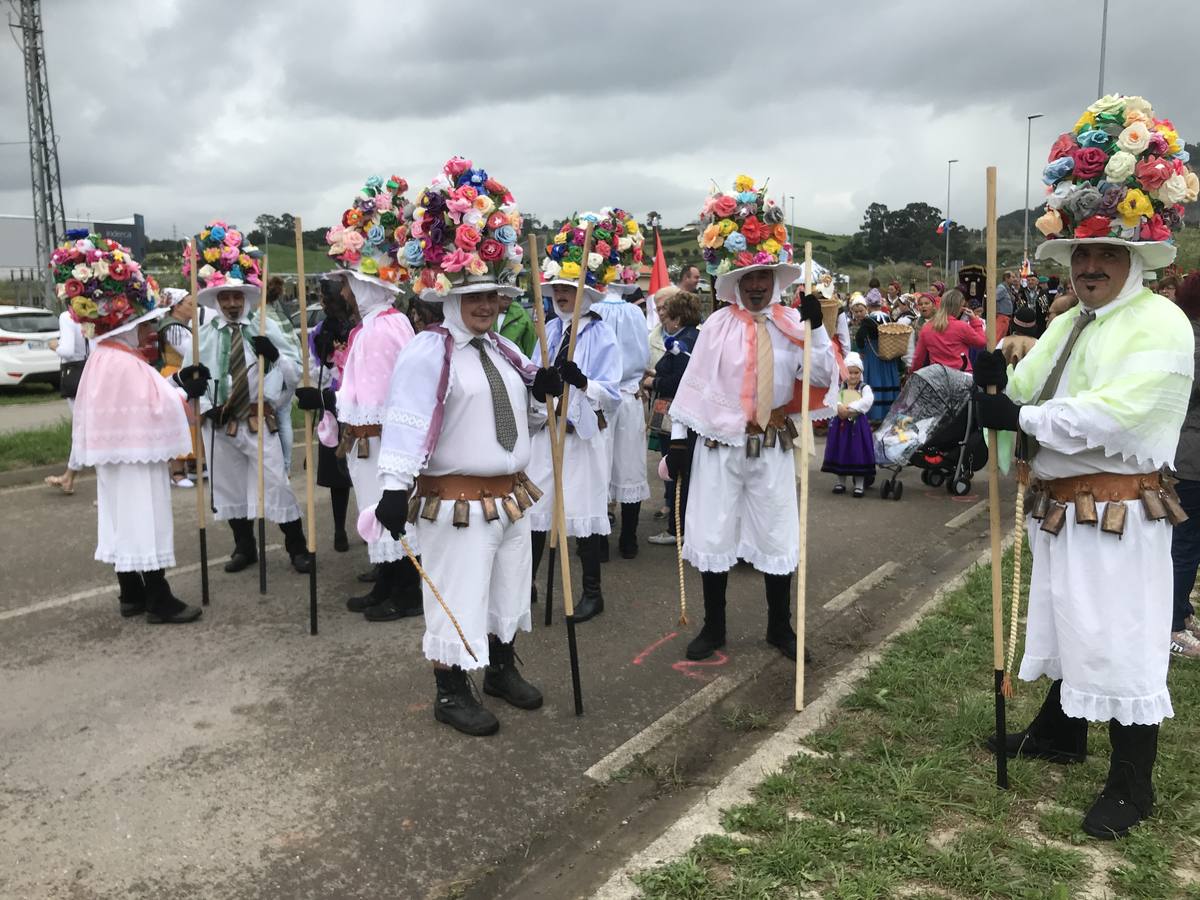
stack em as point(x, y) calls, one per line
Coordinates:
point(764, 396)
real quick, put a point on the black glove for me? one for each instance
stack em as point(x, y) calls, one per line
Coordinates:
point(999, 412)
point(392, 512)
point(194, 380)
point(991, 370)
point(264, 348)
point(572, 375)
point(309, 399)
point(679, 458)
point(810, 310)
point(547, 382)
point(217, 414)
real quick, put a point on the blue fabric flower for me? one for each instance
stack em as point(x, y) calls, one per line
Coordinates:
point(413, 254)
point(1183, 156)
point(1095, 138)
point(1058, 170)
point(235, 271)
point(747, 197)
point(557, 251)
point(736, 242)
point(75, 234)
point(374, 185)
point(505, 234)
point(217, 233)
point(476, 178)
point(375, 234)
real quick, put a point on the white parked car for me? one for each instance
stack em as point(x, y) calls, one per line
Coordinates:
point(25, 354)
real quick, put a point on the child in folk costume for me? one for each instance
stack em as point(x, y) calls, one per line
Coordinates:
point(1098, 404)
point(230, 345)
point(366, 245)
point(849, 447)
point(731, 434)
point(129, 422)
point(456, 443)
point(594, 376)
point(618, 241)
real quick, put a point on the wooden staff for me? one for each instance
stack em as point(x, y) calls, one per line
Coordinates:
point(994, 499)
point(309, 464)
point(806, 437)
point(539, 320)
point(198, 432)
point(262, 427)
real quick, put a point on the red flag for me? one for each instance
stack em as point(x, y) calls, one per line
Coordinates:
point(658, 275)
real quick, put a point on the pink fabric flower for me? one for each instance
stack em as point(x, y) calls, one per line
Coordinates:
point(456, 260)
point(1154, 229)
point(724, 205)
point(1152, 172)
point(353, 240)
point(1062, 147)
point(455, 166)
point(457, 206)
point(233, 238)
point(467, 237)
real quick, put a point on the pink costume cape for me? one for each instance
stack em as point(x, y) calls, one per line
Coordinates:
point(371, 354)
point(416, 404)
point(125, 412)
point(716, 396)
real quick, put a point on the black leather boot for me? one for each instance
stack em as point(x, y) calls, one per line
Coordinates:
point(457, 706)
point(1128, 795)
point(779, 614)
point(245, 552)
point(591, 604)
point(163, 607)
point(712, 634)
point(380, 590)
point(502, 679)
point(1052, 735)
point(538, 541)
point(403, 597)
point(296, 545)
point(628, 543)
point(133, 594)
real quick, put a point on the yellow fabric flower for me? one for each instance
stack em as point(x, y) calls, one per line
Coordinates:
point(212, 254)
point(631, 227)
point(743, 183)
point(727, 227)
point(712, 236)
point(243, 260)
point(369, 266)
point(1172, 137)
point(477, 266)
point(770, 245)
point(1049, 223)
point(610, 275)
point(442, 285)
point(569, 271)
point(1087, 120)
point(85, 307)
point(1133, 206)
point(204, 234)
point(560, 238)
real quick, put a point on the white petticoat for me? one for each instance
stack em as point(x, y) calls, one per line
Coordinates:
point(628, 435)
point(364, 474)
point(233, 464)
point(586, 467)
point(1100, 616)
point(135, 531)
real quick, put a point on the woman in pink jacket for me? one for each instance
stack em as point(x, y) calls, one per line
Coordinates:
point(949, 339)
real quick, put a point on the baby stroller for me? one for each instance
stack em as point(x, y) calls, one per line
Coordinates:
point(932, 426)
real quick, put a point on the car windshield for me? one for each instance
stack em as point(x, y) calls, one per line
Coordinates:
point(29, 323)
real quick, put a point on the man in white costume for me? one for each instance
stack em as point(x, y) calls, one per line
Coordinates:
point(1097, 407)
point(454, 449)
point(731, 428)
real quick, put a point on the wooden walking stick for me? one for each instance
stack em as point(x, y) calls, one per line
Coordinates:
point(994, 499)
point(539, 321)
point(309, 464)
point(262, 427)
point(198, 432)
point(806, 437)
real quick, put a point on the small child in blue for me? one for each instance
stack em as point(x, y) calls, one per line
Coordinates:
point(849, 447)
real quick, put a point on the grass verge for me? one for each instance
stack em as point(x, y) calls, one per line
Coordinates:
point(36, 447)
point(27, 393)
point(900, 799)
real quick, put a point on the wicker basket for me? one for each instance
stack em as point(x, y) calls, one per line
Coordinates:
point(829, 313)
point(893, 340)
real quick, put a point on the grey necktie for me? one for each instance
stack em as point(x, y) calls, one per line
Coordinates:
point(506, 422)
point(1086, 317)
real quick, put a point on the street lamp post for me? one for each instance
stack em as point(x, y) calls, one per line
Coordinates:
point(1025, 232)
point(791, 221)
point(1103, 41)
point(949, 224)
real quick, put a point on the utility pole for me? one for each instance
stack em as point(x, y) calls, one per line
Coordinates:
point(1025, 232)
point(1103, 41)
point(949, 224)
point(49, 218)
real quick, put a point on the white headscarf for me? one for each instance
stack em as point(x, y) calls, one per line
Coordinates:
point(369, 296)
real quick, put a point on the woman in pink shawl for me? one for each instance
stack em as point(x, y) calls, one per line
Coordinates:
point(129, 422)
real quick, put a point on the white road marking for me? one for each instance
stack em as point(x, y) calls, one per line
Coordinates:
point(704, 816)
point(860, 587)
point(967, 515)
point(102, 590)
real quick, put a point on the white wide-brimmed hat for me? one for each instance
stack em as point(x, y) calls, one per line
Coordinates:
point(1154, 254)
point(208, 296)
point(785, 274)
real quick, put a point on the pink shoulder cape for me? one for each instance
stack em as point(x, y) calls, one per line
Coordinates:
point(371, 353)
point(126, 412)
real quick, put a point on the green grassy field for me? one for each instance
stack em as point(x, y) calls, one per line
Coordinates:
point(37, 447)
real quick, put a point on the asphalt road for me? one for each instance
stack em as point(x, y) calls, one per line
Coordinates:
point(26, 416)
point(240, 757)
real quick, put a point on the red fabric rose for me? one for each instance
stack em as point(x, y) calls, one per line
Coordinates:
point(603, 248)
point(1093, 226)
point(1062, 147)
point(637, 254)
point(754, 230)
point(1154, 229)
point(1089, 162)
point(118, 271)
point(497, 220)
point(1152, 172)
point(491, 250)
point(428, 277)
point(745, 258)
point(492, 186)
point(467, 237)
point(724, 205)
point(74, 287)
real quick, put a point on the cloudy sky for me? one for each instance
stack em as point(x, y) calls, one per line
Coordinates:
point(191, 111)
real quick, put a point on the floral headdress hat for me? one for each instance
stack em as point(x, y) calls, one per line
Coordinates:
point(1118, 177)
point(625, 245)
point(463, 234)
point(742, 231)
point(564, 255)
point(368, 241)
point(102, 285)
point(227, 261)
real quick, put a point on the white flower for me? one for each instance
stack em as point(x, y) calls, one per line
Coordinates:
point(1120, 166)
point(595, 260)
point(514, 252)
point(473, 217)
point(1173, 190)
point(1138, 104)
point(1135, 138)
point(81, 271)
point(1107, 104)
point(205, 272)
point(624, 243)
point(1059, 195)
point(549, 267)
point(100, 268)
point(638, 239)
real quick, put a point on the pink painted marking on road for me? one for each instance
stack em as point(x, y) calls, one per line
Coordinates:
point(637, 660)
point(685, 666)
